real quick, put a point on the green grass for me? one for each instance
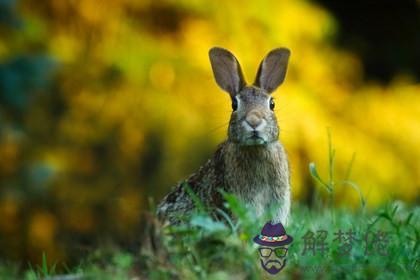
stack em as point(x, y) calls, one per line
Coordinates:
point(209, 249)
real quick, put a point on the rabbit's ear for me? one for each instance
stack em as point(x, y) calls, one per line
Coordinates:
point(226, 70)
point(272, 69)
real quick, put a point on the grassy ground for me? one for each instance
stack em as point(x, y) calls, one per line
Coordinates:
point(208, 249)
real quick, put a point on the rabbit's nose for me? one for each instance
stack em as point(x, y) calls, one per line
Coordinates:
point(253, 119)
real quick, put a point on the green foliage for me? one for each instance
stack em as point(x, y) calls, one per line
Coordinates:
point(41, 271)
point(205, 248)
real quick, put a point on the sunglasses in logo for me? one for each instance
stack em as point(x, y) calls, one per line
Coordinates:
point(266, 252)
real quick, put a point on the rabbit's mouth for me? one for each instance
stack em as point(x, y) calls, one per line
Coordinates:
point(255, 139)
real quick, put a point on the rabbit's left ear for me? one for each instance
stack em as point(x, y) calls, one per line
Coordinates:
point(272, 70)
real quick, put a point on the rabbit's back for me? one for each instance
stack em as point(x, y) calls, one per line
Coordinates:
point(200, 189)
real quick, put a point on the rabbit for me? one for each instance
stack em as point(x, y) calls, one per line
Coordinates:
point(251, 164)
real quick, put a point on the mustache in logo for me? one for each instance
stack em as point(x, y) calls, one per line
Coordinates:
point(274, 263)
point(275, 266)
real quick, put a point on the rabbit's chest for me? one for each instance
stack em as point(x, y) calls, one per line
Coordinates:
point(257, 189)
point(258, 176)
point(264, 194)
point(257, 183)
point(261, 199)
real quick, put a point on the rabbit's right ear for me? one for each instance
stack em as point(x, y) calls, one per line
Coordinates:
point(226, 70)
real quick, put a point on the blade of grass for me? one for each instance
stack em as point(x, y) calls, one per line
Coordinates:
point(356, 187)
point(315, 175)
point(228, 220)
point(197, 201)
point(331, 159)
point(44, 265)
point(350, 167)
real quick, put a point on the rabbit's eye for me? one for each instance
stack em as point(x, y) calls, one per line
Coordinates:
point(234, 104)
point(272, 104)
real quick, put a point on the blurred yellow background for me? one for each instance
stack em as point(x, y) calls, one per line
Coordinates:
point(107, 103)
